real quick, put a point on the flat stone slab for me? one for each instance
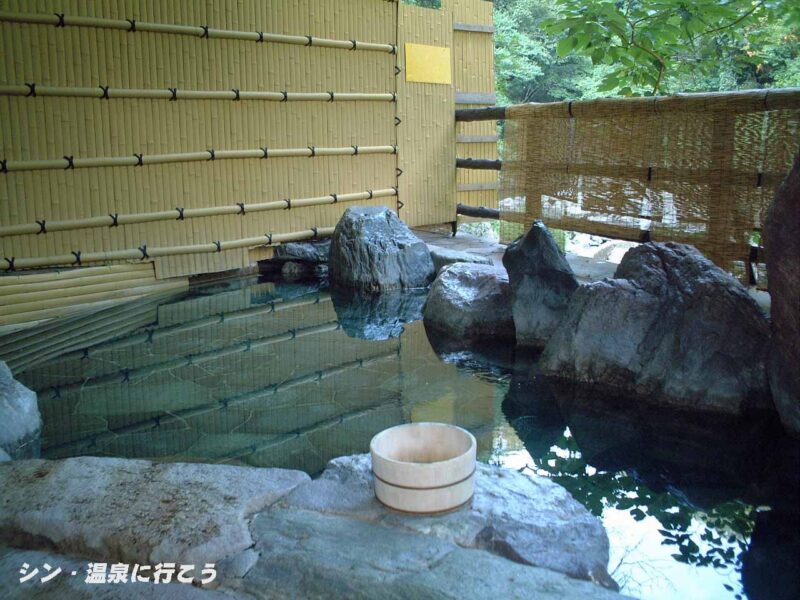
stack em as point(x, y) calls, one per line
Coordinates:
point(529, 520)
point(119, 510)
point(307, 554)
point(447, 256)
point(66, 586)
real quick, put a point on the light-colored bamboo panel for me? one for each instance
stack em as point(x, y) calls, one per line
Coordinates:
point(426, 135)
point(470, 11)
point(51, 127)
point(473, 60)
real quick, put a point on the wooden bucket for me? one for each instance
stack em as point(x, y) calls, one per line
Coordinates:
point(423, 468)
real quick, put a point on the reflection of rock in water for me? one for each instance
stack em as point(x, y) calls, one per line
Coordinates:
point(531, 408)
point(377, 316)
point(485, 358)
point(770, 565)
point(706, 458)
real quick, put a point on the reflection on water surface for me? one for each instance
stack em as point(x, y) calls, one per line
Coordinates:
point(273, 374)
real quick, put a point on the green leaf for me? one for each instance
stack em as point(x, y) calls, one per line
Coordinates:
point(564, 46)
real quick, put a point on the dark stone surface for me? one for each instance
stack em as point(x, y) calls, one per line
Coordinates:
point(542, 283)
point(373, 250)
point(469, 302)
point(312, 252)
point(296, 270)
point(671, 329)
point(446, 256)
point(769, 566)
point(782, 240)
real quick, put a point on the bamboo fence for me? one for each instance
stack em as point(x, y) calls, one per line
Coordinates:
point(694, 168)
point(149, 145)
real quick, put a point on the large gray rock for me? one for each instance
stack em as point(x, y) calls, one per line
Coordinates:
point(119, 510)
point(373, 250)
point(305, 554)
point(469, 302)
point(782, 239)
point(312, 252)
point(672, 329)
point(445, 256)
point(529, 520)
point(20, 421)
point(542, 283)
point(4, 456)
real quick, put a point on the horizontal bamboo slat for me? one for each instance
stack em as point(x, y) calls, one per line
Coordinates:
point(143, 252)
point(139, 160)
point(201, 31)
point(32, 90)
point(43, 225)
point(60, 277)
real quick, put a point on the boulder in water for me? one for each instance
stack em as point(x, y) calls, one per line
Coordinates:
point(373, 250)
point(469, 302)
point(542, 283)
point(671, 328)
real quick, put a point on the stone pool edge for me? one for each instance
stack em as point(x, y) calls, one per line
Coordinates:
point(274, 532)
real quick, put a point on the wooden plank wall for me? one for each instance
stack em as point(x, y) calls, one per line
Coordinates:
point(473, 71)
point(41, 127)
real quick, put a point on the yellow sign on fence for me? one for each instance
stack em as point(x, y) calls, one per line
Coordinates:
point(428, 64)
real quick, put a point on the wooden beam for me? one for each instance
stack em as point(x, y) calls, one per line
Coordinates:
point(492, 113)
point(480, 212)
point(473, 27)
point(475, 98)
point(483, 164)
point(477, 187)
point(477, 139)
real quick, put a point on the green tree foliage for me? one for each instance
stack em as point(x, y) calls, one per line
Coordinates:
point(527, 66)
point(665, 46)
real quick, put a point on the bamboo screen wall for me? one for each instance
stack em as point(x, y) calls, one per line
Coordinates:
point(473, 78)
point(695, 168)
point(190, 133)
